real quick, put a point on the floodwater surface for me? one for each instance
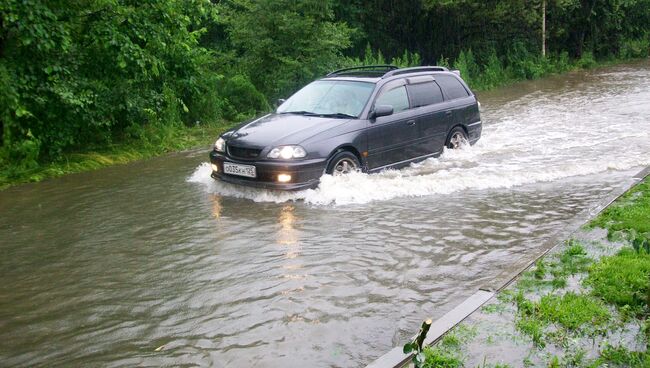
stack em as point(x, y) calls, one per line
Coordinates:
point(154, 263)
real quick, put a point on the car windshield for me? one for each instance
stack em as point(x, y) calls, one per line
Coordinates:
point(329, 98)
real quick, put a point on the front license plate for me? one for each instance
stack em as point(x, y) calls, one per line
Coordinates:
point(240, 170)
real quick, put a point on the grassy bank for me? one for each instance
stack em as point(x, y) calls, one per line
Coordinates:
point(585, 305)
point(148, 143)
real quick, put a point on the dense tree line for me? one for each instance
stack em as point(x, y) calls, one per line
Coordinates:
point(85, 73)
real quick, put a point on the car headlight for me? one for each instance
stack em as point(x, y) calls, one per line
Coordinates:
point(220, 145)
point(287, 152)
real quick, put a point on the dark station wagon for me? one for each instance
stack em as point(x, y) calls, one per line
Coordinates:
point(357, 119)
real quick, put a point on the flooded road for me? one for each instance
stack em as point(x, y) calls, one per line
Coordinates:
point(153, 263)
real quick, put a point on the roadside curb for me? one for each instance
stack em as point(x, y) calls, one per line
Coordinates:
point(395, 358)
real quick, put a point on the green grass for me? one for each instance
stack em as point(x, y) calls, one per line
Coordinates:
point(552, 272)
point(573, 311)
point(448, 352)
point(630, 212)
point(621, 357)
point(150, 143)
point(534, 328)
point(623, 280)
point(440, 358)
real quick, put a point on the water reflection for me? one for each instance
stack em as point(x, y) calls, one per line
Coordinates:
point(216, 205)
point(287, 235)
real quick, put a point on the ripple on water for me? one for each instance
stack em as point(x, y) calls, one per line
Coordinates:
point(103, 268)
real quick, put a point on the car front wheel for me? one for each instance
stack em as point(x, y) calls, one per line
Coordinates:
point(343, 163)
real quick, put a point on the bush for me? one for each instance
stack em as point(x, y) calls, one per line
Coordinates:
point(372, 57)
point(493, 75)
point(587, 60)
point(467, 66)
point(240, 98)
point(635, 48)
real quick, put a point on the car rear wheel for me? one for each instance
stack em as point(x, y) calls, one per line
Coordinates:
point(457, 138)
point(343, 163)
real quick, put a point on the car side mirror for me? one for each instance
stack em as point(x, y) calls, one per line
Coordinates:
point(280, 101)
point(381, 110)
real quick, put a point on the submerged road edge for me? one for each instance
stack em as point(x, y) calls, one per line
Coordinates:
point(395, 358)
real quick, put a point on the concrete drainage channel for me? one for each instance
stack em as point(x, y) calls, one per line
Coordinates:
point(395, 358)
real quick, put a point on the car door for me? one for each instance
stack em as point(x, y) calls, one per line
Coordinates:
point(390, 137)
point(433, 114)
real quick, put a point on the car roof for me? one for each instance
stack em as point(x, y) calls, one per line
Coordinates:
point(353, 79)
point(373, 79)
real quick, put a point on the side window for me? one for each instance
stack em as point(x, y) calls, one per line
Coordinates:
point(452, 86)
point(423, 94)
point(396, 97)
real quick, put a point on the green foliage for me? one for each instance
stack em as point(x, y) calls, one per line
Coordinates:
point(534, 328)
point(587, 60)
point(619, 356)
point(446, 354)
point(282, 44)
point(574, 259)
point(372, 57)
point(494, 73)
point(623, 279)
point(439, 358)
point(635, 48)
point(572, 311)
point(416, 346)
point(467, 66)
point(240, 99)
point(81, 73)
point(553, 271)
point(632, 211)
point(408, 59)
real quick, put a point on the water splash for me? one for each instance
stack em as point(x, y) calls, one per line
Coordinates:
point(536, 138)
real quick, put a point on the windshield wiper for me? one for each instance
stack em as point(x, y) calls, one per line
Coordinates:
point(306, 113)
point(339, 115)
point(336, 115)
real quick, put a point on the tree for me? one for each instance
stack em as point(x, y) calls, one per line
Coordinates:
point(89, 71)
point(282, 44)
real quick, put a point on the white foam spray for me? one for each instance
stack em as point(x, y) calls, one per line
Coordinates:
point(537, 138)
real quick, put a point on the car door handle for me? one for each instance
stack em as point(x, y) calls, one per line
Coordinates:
point(448, 112)
point(410, 122)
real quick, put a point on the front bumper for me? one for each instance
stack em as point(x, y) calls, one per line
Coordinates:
point(304, 173)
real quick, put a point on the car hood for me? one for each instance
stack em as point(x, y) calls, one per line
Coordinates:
point(280, 129)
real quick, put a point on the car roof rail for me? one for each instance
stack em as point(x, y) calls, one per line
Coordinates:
point(415, 70)
point(380, 69)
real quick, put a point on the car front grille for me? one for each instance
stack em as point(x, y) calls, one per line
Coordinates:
point(243, 152)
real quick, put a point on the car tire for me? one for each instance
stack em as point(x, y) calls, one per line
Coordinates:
point(343, 162)
point(457, 138)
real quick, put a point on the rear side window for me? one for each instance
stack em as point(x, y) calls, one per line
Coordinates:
point(423, 94)
point(395, 97)
point(452, 87)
